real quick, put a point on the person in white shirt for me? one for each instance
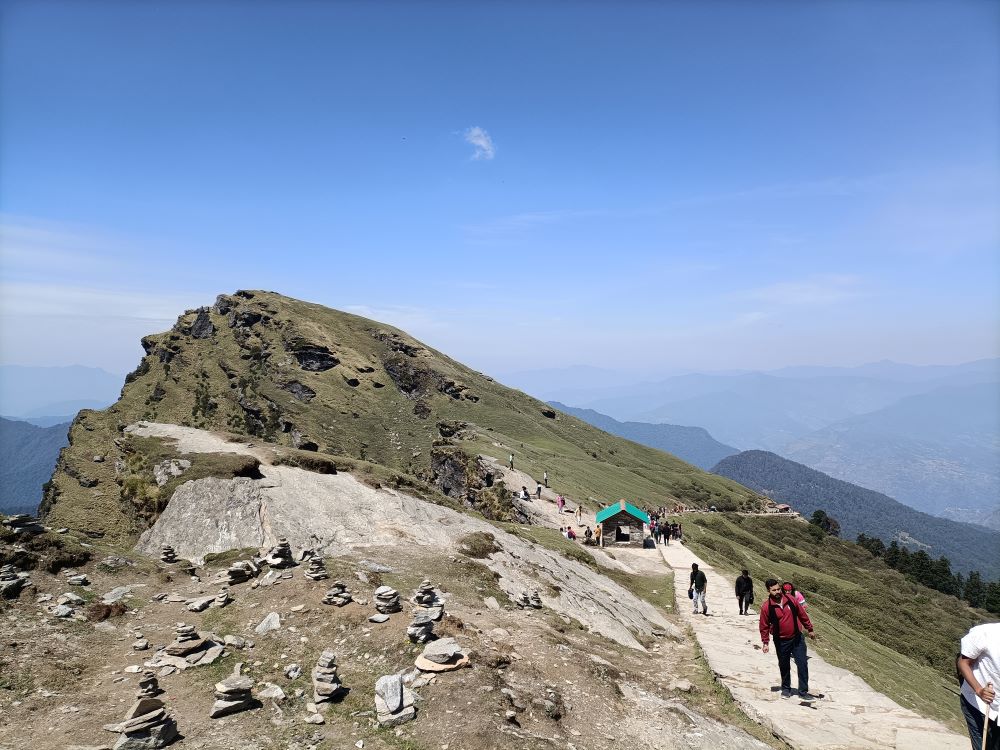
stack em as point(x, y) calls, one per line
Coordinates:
point(979, 668)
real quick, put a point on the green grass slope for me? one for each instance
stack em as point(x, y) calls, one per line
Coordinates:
point(306, 377)
point(898, 636)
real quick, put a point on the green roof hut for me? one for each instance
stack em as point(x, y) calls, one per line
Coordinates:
point(622, 524)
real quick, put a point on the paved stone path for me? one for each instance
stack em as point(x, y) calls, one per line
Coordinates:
point(850, 716)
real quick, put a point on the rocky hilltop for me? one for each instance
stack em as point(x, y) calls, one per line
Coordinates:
point(324, 386)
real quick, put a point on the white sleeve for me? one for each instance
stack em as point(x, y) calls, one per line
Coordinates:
point(973, 644)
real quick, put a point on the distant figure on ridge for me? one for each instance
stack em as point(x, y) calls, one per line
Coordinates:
point(698, 589)
point(560, 502)
point(780, 618)
point(579, 514)
point(510, 461)
point(545, 478)
point(979, 668)
point(744, 592)
point(538, 492)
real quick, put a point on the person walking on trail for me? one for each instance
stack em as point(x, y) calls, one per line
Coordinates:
point(579, 514)
point(510, 461)
point(545, 478)
point(538, 492)
point(979, 668)
point(698, 589)
point(560, 502)
point(792, 593)
point(744, 592)
point(783, 620)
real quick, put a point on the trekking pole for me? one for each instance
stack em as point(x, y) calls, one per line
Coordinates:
point(986, 720)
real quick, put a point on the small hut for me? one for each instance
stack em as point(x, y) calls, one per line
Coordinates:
point(622, 524)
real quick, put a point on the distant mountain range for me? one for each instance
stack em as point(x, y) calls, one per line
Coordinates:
point(45, 392)
point(926, 435)
point(937, 451)
point(693, 444)
point(858, 510)
point(28, 455)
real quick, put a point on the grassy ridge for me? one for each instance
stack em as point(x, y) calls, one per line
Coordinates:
point(299, 375)
point(898, 636)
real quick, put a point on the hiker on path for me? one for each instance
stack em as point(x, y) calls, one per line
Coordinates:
point(510, 461)
point(979, 668)
point(588, 535)
point(597, 534)
point(538, 492)
point(744, 592)
point(780, 619)
point(579, 514)
point(560, 502)
point(545, 478)
point(698, 589)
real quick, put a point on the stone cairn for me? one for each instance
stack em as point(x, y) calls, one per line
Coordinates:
point(167, 554)
point(316, 570)
point(77, 579)
point(222, 598)
point(443, 655)
point(146, 726)
point(149, 687)
point(10, 582)
point(338, 595)
point(421, 629)
point(393, 701)
point(186, 640)
point(280, 555)
point(387, 600)
point(426, 598)
point(529, 600)
point(232, 695)
point(239, 572)
point(326, 681)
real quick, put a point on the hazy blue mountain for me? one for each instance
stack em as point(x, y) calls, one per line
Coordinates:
point(693, 444)
point(934, 451)
point(45, 421)
point(27, 458)
point(858, 510)
point(45, 391)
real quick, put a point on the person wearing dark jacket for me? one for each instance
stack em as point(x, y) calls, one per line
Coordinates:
point(744, 592)
point(782, 619)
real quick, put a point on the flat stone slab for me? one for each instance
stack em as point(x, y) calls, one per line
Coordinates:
point(269, 623)
point(442, 651)
point(425, 665)
point(379, 618)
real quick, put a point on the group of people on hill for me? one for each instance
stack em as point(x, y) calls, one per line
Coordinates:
point(663, 530)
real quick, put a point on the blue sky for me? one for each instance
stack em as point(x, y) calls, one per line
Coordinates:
point(645, 186)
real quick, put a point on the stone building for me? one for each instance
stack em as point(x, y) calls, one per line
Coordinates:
point(622, 524)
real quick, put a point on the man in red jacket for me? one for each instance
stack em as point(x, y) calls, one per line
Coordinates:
point(781, 618)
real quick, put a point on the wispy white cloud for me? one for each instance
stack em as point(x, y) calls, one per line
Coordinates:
point(814, 290)
point(481, 142)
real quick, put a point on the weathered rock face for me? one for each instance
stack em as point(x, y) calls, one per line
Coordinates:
point(328, 512)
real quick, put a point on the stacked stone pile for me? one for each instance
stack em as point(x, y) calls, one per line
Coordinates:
point(529, 600)
point(393, 701)
point(326, 682)
point(11, 583)
point(427, 598)
point(232, 695)
point(316, 570)
point(146, 726)
point(186, 640)
point(239, 572)
point(149, 686)
point(421, 630)
point(442, 655)
point(338, 595)
point(387, 600)
point(222, 598)
point(167, 554)
point(280, 555)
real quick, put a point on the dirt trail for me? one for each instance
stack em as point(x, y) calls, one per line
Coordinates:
point(851, 715)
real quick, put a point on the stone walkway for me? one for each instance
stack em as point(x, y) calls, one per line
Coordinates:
point(851, 714)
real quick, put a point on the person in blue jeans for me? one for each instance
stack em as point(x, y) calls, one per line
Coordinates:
point(979, 668)
point(782, 619)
